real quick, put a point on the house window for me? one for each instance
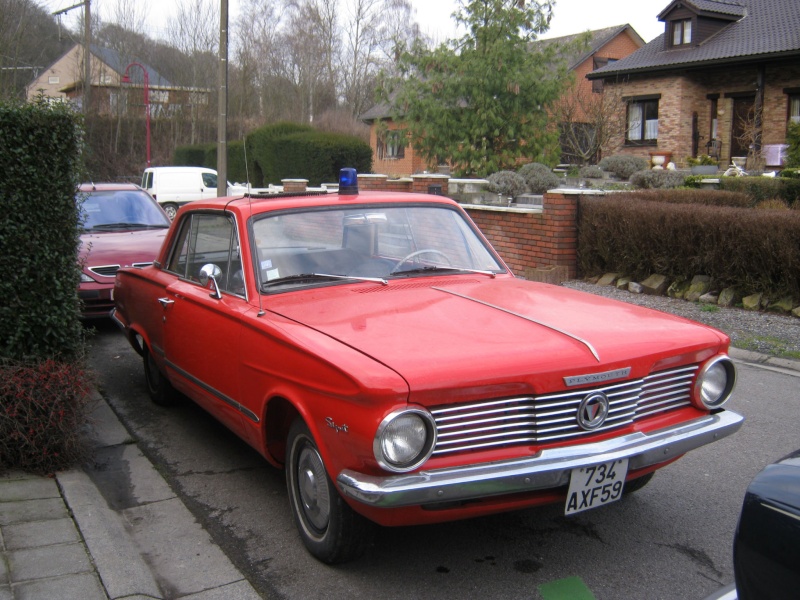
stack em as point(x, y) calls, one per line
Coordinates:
point(642, 121)
point(794, 108)
point(681, 32)
point(597, 63)
point(714, 118)
point(393, 145)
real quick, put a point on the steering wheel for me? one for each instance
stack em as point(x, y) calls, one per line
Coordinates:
point(416, 253)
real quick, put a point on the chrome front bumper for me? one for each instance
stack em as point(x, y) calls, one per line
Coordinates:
point(547, 469)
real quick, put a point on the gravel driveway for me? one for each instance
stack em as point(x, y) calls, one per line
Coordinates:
point(763, 332)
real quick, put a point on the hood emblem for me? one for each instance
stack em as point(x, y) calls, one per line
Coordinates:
point(593, 411)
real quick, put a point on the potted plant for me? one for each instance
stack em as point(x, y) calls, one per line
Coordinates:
point(703, 165)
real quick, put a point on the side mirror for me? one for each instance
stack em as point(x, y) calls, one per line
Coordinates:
point(211, 272)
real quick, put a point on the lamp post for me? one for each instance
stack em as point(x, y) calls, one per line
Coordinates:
point(126, 79)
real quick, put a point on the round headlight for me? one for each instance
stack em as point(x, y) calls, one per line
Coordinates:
point(715, 383)
point(404, 440)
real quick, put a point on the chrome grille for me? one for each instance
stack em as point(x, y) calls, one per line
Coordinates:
point(111, 270)
point(552, 417)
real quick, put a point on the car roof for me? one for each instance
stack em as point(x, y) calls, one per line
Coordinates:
point(263, 204)
point(109, 187)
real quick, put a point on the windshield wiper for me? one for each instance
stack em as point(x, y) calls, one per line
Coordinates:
point(432, 268)
point(127, 226)
point(314, 276)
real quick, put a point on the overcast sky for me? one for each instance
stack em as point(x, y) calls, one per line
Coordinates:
point(571, 16)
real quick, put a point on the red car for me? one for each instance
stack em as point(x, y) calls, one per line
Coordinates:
point(122, 227)
point(376, 347)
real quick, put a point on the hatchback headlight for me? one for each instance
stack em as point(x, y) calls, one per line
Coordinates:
point(405, 440)
point(86, 279)
point(715, 383)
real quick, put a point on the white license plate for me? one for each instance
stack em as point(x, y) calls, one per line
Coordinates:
point(590, 487)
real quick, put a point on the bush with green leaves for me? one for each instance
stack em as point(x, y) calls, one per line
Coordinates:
point(507, 183)
point(656, 179)
point(623, 165)
point(538, 177)
point(591, 172)
point(43, 383)
point(793, 141)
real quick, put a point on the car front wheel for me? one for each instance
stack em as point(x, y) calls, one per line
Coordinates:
point(331, 531)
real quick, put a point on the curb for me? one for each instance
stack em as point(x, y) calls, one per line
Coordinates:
point(143, 540)
point(764, 360)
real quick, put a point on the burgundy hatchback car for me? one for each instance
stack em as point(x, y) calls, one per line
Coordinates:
point(122, 227)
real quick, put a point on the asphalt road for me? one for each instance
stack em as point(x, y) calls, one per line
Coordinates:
point(671, 540)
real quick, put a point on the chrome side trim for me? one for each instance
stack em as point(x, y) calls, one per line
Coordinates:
point(547, 469)
point(527, 318)
point(217, 394)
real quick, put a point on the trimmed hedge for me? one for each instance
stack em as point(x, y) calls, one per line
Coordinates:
point(285, 151)
point(39, 231)
point(752, 250)
point(318, 157)
point(43, 383)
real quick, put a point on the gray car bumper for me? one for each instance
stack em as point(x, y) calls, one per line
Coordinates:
point(547, 469)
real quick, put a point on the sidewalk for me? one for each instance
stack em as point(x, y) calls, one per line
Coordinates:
point(71, 538)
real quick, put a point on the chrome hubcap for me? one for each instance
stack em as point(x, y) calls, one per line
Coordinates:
point(313, 489)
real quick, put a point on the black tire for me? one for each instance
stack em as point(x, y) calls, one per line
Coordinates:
point(634, 485)
point(159, 388)
point(331, 531)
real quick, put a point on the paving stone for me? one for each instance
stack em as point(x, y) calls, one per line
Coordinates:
point(32, 510)
point(40, 533)
point(3, 570)
point(84, 586)
point(14, 490)
point(48, 561)
point(5, 593)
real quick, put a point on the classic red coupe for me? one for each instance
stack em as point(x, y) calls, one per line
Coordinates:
point(376, 347)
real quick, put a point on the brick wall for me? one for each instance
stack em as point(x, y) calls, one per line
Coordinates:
point(531, 239)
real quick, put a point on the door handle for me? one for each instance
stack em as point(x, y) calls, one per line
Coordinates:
point(165, 302)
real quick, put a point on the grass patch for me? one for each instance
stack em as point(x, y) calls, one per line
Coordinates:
point(767, 345)
point(709, 308)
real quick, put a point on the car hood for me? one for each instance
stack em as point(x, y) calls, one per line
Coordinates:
point(459, 330)
point(124, 248)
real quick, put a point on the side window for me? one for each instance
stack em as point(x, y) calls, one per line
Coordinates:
point(206, 238)
point(209, 180)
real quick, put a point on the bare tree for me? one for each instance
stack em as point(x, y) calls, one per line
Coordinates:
point(587, 122)
point(194, 31)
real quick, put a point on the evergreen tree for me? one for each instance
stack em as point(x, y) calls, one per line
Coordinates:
point(481, 102)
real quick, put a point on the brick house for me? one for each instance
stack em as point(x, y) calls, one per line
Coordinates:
point(63, 81)
point(723, 79)
point(392, 155)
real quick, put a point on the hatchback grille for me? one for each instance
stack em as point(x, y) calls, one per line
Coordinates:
point(111, 270)
point(552, 417)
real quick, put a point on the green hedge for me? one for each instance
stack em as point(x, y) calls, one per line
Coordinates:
point(319, 156)
point(44, 386)
point(284, 151)
point(39, 231)
point(194, 156)
point(750, 249)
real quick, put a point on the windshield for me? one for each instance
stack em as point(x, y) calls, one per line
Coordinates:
point(128, 209)
point(369, 242)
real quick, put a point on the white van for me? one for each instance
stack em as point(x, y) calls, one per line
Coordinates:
point(172, 187)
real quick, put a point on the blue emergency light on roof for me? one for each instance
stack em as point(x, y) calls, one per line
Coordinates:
point(348, 181)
